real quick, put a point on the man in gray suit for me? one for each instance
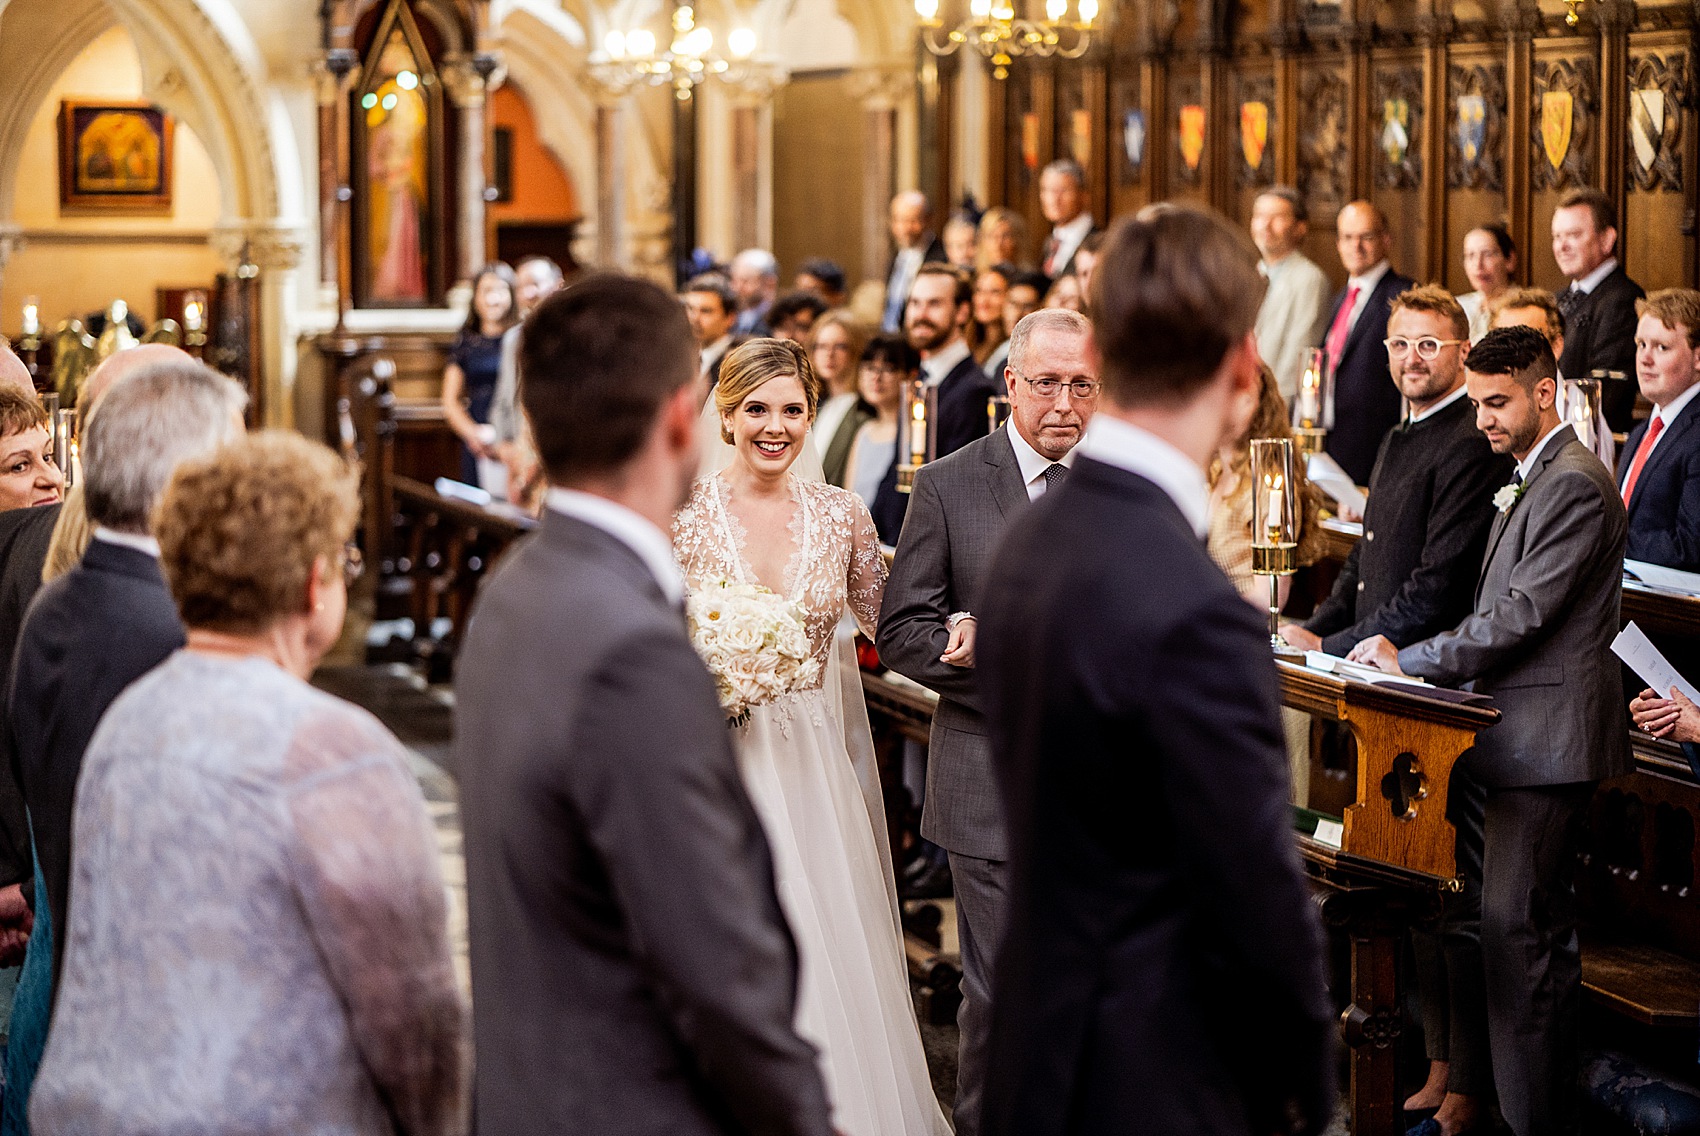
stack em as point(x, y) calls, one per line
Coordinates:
point(1539, 641)
point(631, 969)
point(926, 633)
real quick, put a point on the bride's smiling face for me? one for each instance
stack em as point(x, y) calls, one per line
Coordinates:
point(769, 425)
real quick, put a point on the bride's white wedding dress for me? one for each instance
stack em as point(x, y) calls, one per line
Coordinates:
point(832, 870)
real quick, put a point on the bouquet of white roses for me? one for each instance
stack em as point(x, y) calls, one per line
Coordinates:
point(754, 642)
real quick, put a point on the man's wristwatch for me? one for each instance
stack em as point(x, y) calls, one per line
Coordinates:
point(957, 617)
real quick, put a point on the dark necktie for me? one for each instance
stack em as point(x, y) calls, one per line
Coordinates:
point(1569, 300)
point(1054, 473)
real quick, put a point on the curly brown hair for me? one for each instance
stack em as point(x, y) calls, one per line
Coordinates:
point(241, 529)
point(20, 412)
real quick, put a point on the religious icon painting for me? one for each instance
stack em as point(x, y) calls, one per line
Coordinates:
point(1030, 140)
point(1557, 116)
point(1395, 129)
point(1472, 127)
point(1133, 138)
point(1254, 133)
point(114, 156)
point(1192, 136)
point(1646, 125)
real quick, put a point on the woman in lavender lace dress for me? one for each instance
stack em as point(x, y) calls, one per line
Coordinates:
point(259, 942)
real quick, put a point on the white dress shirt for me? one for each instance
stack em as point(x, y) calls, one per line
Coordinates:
point(712, 353)
point(1033, 464)
point(1667, 415)
point(138, 541)
point(1525, 466)
point(629, 528)
point(944, 361)
point(1069, 237)
point(1365, 284)
point(1588, 283)
point(1120, 443)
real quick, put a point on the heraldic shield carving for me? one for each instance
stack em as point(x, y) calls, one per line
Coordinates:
point(1564, 113)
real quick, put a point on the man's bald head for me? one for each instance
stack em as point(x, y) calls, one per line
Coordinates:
point(119, 365)
point(13, 373)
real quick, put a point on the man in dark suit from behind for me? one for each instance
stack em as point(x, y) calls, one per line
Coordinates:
point(1599, 306)
point(1659, 474)
point(631, 969)
point(95, 630)
point(1539, 641)
point(927, 632)
point(1163, 968)
point(934, 320)
point(1365, 402)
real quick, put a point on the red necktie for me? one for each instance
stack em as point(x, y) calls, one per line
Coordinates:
point(1336, 341)
point(1052, 247)
point(1646, 448)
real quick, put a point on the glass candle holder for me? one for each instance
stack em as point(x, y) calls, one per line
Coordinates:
point(1274, 521)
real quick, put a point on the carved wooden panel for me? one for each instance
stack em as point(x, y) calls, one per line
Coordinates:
point(1255, 109)
point(1188, 130)
point(1658, 99)
point(1397, 112)
point(1563, 113)
point(1475, 127)
point(1324, 160)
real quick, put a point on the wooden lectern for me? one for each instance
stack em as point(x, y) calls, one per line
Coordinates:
point(1392, 859)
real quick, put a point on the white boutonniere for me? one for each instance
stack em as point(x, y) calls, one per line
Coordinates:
point(1509, 495)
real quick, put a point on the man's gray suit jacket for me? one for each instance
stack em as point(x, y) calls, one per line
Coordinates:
point(631, 969)
point(1539, 640)
point(956, 515)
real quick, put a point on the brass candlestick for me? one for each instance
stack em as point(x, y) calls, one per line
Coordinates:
point(1274, 524)
point(912, 437)
point(1311, 406)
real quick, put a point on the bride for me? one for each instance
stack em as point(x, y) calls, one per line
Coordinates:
point(758, 522)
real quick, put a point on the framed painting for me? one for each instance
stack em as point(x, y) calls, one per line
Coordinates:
point(114, 156)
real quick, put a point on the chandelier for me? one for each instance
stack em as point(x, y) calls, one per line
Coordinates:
point(1570, 16)
point(631, 58)
point(994, 30)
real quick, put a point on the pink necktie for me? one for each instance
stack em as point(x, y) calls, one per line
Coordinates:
point(1336, 341)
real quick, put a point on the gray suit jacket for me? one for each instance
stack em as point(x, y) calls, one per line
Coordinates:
point(1539, 640)
point(956, 514)
point(631, 969)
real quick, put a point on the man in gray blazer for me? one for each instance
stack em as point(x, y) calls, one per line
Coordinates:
point(1539, 641)
point(631, 969)
point(926, 632)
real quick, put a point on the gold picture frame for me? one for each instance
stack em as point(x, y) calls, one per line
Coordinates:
point(114, 156)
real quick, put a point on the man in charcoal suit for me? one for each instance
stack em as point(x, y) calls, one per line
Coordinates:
point(1365, 403)
point(631, 969)
point(1539, 641)
point(927, 632)
point(1660, 472)
point(1599, 306)
point(1161, 972)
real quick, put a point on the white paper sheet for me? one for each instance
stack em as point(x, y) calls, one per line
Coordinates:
point(1640, 656)
point(1325, 473)
point(1341, 668)
point(1658, 576)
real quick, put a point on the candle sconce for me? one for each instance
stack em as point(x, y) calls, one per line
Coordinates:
point(915, 434)
point(1274, 524)
point(1312, 405)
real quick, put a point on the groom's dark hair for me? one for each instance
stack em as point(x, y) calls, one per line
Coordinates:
point(596, 361)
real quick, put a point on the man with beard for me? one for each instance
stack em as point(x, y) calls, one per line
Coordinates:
point(927, 629)
point(933, 319)
point(1539, 641)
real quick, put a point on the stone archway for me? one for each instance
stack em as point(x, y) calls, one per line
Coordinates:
point(200, 63)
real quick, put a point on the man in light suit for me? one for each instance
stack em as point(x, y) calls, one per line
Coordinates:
point(1163, 975)
point(1294, 314)
point(1660, 472)
point(1365, 403)
point(631, 969)
point(927, 630)
point(1539, 641)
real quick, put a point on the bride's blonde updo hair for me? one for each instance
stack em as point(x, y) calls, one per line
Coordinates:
point(751, 364)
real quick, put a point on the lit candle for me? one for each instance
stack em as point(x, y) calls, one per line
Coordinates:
point(32, 316)
point(1275, 518)
point(918, 429)
point(194, 313)
point(1310, 397)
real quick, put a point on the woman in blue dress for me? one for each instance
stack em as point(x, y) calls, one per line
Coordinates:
point(469, 380)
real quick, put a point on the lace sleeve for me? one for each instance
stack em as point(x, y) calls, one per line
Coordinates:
point(865, 586)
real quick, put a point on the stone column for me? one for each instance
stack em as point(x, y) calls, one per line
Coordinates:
point(269, 251)
point(466, 80)
point(881, 91)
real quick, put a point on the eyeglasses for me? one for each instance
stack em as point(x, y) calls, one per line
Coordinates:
point(353, 563)
point(1049, 386)
point(1427, 347)
point(879, 370)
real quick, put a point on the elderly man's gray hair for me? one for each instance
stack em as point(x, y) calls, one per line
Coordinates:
point(153, 419)
point(1045, 319)
point(759, 261)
